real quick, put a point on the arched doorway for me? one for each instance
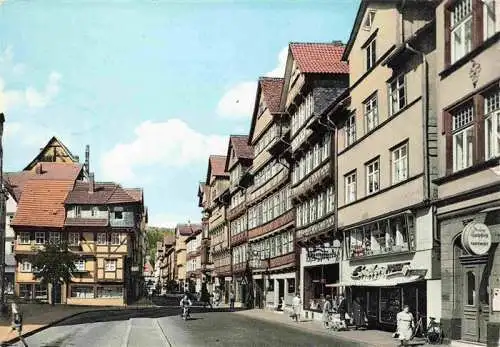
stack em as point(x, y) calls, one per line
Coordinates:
point(472, 286)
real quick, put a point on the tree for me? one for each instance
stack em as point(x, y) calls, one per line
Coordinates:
point(55, 264)
point(154, 235)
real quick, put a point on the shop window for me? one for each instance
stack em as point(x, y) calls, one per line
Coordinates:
point(390, 305)
point(41, 292)
point(471, 288)
point(26, 291)
point(270, 285)
point(109, 292)
point(387, 236)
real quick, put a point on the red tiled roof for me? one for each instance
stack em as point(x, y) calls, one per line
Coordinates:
point(104, 193)
point(319, 57)
point(169, 239)
point(271, 88)
point(241, 147)
point(218, 165)
point(42, 203)
point(87, 222)
point(187, 229)
point(49, 171)
point(135, 193)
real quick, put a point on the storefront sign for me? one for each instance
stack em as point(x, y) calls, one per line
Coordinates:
point(324, 252)
point(476, 238)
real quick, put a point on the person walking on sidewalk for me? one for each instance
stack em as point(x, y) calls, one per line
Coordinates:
point(404, 325)
point(327, 309)
point(231, 300)
point(296, 307)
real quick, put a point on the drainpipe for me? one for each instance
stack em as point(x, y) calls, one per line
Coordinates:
point(402, 21)
point(425, 121)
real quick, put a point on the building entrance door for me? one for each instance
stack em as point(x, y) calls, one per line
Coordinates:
point(476, 302)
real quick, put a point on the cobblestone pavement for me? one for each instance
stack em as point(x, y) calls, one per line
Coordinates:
point(164, 327)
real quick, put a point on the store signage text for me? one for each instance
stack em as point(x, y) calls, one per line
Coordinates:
point(476, 238)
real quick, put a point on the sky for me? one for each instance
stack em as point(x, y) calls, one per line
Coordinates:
point(154, 87)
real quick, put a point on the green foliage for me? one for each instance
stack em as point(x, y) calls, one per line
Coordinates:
point(55, 263)
point(205, 296)
point(154, 235)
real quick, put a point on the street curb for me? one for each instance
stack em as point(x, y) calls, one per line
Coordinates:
point(325, 332)
point(51, 324)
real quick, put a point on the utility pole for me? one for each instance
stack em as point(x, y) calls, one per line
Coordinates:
point(3, 215)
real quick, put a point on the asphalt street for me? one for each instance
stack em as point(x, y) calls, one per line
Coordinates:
point(164, 327)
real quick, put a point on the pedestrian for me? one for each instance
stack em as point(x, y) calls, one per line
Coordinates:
point(359, 312)
point(296, 307)
point(404, 328)
point(17, 322)
point(342, 308)
point(231, 300)
point(327, 308)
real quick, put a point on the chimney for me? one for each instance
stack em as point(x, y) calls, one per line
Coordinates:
point(91, 183)
point(39, 169)
point(87, 159)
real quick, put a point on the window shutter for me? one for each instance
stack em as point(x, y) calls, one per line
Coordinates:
point(447, 37)
point(447, 122)
point(479, 153)
point(477, 23)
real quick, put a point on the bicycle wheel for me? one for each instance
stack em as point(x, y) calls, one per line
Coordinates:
point(434, 336)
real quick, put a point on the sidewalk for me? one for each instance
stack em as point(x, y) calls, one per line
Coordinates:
point(36, 316)
point(363, 337)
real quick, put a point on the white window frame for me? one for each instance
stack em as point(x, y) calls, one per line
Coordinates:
point(368, 22)
point(370, 107)
point(460, 22)
point(74, 239)
point(26, 266)
point(99, 239)
point(330, 199)
point(39, 235)
point(371, 53)
point(399, 163)
point(54, 237)
point(373, 177)
point(350, 187)
point(115, 242)
point(110, 265)
point(350, 130)
point(490, 15)
point(463, 124)
point(492, 125)
point(397, 93)
point(24, 238)
point(80, 265)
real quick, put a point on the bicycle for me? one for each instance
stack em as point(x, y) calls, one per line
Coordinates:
point(433, 333)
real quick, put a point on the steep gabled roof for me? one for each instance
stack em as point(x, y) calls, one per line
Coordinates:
point(53, 142)
point(42, 203)
point(187, 229)
point(216, 167)
point(271, 89)
point(242, 151)
point(319, 57)
point(169, 239)
point(15, 181)
point(105, 193)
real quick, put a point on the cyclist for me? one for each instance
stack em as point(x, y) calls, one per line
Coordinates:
point(185, 303)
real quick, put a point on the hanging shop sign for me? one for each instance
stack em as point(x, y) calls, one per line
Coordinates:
point(324, 252)
point(476, 238)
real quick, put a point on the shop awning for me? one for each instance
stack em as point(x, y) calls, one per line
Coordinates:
point(383, 282)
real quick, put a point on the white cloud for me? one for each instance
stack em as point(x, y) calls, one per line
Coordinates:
point(172, 143)
point(29, 97)
point(166, 220)
point(239, 100)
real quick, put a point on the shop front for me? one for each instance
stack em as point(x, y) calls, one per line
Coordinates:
point(471, 280)
point(319, 270)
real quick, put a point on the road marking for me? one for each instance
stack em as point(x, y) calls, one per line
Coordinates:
point(127, 333)
point(162, 333)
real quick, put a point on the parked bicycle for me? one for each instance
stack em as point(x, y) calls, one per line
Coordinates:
point(433, 333)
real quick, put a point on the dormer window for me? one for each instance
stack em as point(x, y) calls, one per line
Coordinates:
point(370, 16)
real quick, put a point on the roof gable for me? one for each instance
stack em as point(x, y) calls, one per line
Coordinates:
point(53, 151)
point(105, 193)
point(269, 89)
point(319, 58)
point(238, 150)
point(216, 167)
